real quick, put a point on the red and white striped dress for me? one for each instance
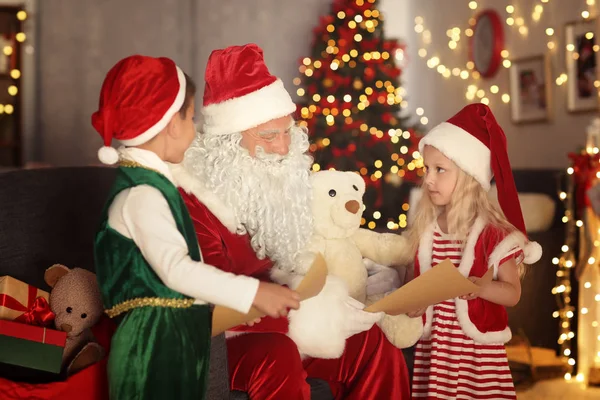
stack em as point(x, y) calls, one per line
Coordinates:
point(449, 364)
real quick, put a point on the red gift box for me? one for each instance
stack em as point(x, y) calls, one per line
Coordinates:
point(33, 333)
point(31, 347)
point(89, 384)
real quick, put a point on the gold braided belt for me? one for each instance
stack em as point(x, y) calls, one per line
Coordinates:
point(129, 305)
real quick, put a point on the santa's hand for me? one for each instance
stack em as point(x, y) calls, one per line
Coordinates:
point(371, 266)
point(381, 279)
point(356, 320)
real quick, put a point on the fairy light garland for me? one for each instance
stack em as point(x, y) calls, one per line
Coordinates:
point(465, 72)
point(513, 19)
point(565, 269)
point(564, 265)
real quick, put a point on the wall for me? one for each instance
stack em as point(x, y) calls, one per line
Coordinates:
point(27, 94)
point(78, 42)
point(542, 145)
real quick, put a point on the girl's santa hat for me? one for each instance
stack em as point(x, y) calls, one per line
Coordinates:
point(139, 97)
point(474, 140)
point(240, 92)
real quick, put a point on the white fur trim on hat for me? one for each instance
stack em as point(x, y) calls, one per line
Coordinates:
point(162, 123)
point(108, 155)
point(468, 152)
point(245, 112)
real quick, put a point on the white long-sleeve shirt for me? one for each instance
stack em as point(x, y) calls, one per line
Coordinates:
point(142, 214)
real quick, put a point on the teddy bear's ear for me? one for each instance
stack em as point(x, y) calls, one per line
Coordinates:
point(54, 273)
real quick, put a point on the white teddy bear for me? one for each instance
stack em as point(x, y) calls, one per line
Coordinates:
point(337, 211)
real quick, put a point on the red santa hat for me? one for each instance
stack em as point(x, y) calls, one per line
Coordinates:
point(474, 140)
point(240, 92)
point(138, 98)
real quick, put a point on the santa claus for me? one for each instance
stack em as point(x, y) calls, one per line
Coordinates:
point(245, 183)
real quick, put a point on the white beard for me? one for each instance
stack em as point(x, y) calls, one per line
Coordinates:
point(269, 194)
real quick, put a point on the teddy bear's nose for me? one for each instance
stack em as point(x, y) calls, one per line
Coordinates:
point(66, 328)
point(352, 206)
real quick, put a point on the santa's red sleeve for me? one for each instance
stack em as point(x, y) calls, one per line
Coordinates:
point(215, 253)
point(211, 245)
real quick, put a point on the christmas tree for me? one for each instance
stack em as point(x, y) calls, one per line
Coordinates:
point(350, 100)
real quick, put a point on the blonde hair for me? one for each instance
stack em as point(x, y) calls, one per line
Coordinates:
point(469, 201)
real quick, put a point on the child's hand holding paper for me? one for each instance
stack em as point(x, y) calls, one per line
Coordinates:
point(479, 282)
point(440, 283)
point(225, 318)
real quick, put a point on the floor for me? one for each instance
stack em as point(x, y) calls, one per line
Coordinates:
point(559, 389)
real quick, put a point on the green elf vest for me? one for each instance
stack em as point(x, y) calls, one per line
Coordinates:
point(161, 348)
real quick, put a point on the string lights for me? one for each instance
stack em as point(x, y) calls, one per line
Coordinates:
point(578, 261)
point(564, 265)
point(14, 73)
point(467, 71)
point(474, 89)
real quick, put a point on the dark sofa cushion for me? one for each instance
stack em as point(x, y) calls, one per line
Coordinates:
point(50, 216)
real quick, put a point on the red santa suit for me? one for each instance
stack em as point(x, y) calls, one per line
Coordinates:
point(265, 361)
point(486, 247)
point(462, 350)
point(462, 354)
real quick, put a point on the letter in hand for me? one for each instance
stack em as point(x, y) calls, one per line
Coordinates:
point(274, 300)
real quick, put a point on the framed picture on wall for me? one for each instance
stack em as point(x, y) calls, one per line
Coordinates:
point(530, 89)
point(581, 53)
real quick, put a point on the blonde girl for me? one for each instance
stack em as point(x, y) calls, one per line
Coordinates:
point(461, 354)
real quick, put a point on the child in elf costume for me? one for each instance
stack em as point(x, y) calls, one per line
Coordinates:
point(148, 262)
point(462, 354)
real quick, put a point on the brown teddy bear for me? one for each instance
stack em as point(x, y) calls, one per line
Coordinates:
point(76, 301)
